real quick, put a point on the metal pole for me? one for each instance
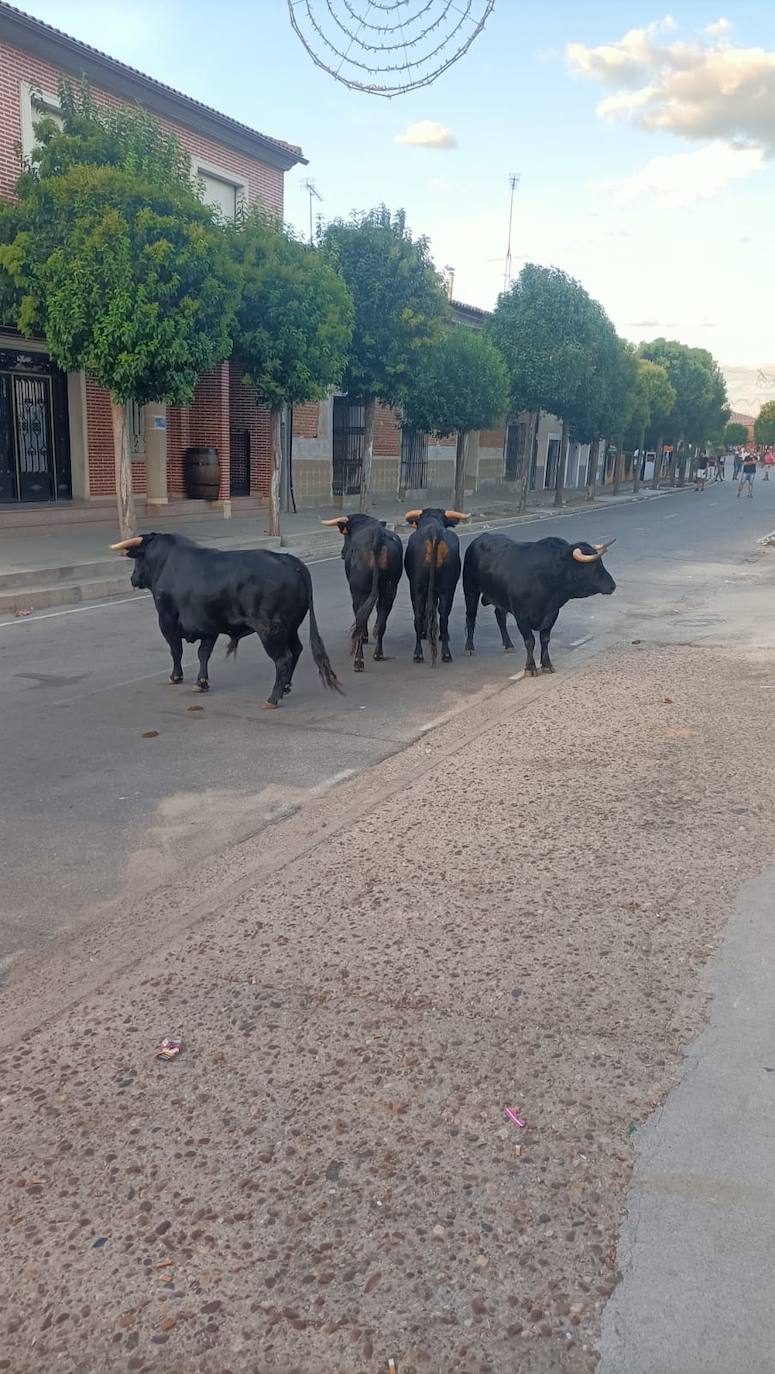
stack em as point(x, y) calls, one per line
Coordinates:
point(513, 183)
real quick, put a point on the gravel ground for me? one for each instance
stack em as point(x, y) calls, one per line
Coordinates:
point(512, 912)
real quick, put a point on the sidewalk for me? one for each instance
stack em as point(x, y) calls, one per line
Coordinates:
point(70, 563)
point(325, 1178)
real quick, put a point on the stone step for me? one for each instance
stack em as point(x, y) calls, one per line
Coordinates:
point(33, 578)
point(15, 601)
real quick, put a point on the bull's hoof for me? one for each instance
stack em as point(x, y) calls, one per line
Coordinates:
point(447, 657)
point(379, 657)
point(531, 672)
point(417, 658)
point(358, 666)
point(176, 679)
point(201, 687)
point(270, 705)
point(509, 649)
point(470, 650)
point(547, 667)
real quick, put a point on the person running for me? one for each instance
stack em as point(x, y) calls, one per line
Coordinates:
point(702, 472)
point(768, 460)
point(748, 474)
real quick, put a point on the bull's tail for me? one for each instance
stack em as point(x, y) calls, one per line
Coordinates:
point(231, 651)
point(322, 662)
point(431, 616)
point(361, 624)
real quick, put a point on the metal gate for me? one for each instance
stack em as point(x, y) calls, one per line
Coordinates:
point(349, 421)
point(34, 428)
point(239, 462)
point(414, 460)
point(516, 440)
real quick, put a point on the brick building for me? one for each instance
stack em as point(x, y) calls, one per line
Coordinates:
point(56, 442)
point(328, 438)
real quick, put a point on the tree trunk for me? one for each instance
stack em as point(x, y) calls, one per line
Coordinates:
point(125, 501)
point(671, 465)
point(684, 454)
point(527, 463)
point(276, 460)
point(657, 465)
point(637, 466)
point(559, 481)
point(461, 453)
point(589, 494)
point(618, 462)
point(367, 463)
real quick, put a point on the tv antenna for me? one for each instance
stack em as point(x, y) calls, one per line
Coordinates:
point(314, 194)
point(513, 184)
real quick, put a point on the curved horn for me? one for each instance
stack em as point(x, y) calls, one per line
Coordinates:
point(412, 515)
point(456, 515)
point(603, 548)
point(128, 543)
point(586, 557)
point(340, 521)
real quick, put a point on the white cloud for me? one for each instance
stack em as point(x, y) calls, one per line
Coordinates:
point(705, 89)
point(684, 178)
point(426, 133)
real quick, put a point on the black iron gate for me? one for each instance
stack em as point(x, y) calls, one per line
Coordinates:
point(516, 442)
point(239, 462)
point(34, 439)
point(349, 421)
point(414, 460)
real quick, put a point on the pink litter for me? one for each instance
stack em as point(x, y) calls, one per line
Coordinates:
point(169, 1048)
point(512, 1116)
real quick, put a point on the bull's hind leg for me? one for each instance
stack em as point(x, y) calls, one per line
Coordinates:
point(295, 645)
point(204, 651)
point(500, 616)
point(445, 605)
point(171, 631)
point(472, 605)
point(545, 632)
point(384, 606)
point(280, 649)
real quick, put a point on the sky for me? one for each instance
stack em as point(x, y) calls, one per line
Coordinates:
point(642, 131)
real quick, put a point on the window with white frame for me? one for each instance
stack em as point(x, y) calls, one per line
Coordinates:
point(35, 106)
point(135, 428)
point(220, 189)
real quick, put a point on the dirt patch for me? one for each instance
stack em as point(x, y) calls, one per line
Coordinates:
point(328, 1165)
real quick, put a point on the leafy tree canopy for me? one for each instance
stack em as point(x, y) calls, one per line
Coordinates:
point(764, 426)
point(460, 383)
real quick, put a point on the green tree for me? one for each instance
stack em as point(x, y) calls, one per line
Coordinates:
point(547, 328)
point(736, 434)
point(293, 324)
point(700, 409)
point(654, 400)
point(459, 384)
point(399, 306)
point(764, 425)
point(118, 263)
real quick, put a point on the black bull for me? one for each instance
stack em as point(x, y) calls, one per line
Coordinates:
point(532, 582)
point(432, 565)
point(202, 593)
point(373, 561)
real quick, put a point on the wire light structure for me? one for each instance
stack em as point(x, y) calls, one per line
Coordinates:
point(387, 47)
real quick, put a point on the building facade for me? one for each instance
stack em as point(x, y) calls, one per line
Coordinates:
point(56, 440)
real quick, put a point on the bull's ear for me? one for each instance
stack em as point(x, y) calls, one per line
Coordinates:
point(383, 523)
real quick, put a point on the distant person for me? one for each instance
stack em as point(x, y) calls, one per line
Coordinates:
point(702, 472)
point(711, 465)
point(768, 460)
point(721, 464)
point(748, 474)
point(738, 464)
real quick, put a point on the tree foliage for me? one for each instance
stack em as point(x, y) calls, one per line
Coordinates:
point(397, 296)
point(654, 400)
point(700, 409)
point(460, 384)
point(764, 425)
point(543, 327)
point(295, 313)
point(736, 434)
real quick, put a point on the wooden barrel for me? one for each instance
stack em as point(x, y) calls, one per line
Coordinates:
point(201, 474)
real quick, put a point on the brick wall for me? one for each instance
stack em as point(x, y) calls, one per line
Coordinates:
point(387, 432)
point(493, 438)
point(245, 413)
point(306, 420)
point(263, 182)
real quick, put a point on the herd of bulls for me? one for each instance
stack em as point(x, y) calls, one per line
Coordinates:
point(202, 593)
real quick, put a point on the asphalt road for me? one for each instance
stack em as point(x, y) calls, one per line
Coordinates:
point(93, 812)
